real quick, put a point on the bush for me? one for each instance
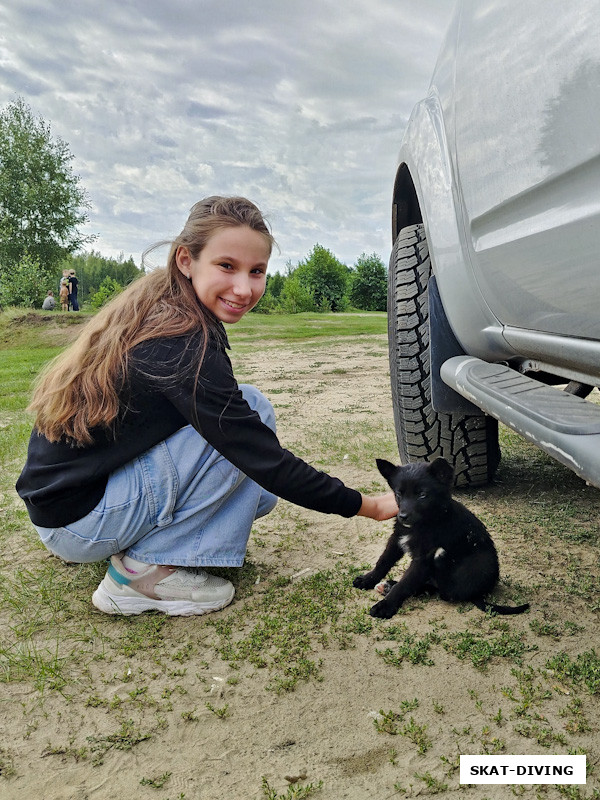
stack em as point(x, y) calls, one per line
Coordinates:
point(26, 284)
point(296, 298)
point(267, 304)
point(109, 288)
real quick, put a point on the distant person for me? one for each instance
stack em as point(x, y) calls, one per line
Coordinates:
point(64, 296)
point(146, 451)
point(73, 290)
point(49, 303)
point(64, 279)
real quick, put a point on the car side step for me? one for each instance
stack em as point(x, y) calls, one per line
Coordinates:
point(563, 425)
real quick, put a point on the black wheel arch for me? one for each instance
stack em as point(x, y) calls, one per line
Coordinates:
point(406, 209)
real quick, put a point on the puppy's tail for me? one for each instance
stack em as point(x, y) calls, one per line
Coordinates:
point(485, 606)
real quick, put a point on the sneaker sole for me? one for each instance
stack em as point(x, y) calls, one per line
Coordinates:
point(128, 606)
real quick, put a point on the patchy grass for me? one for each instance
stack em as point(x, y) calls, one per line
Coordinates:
point(279, 691)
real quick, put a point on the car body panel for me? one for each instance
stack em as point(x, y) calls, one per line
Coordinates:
point(508, 195)
point(527, 151)
point(425, 154)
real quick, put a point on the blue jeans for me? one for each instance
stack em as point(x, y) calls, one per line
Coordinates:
point(179, 503)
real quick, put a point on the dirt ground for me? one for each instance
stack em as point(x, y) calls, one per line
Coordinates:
point(389, 706)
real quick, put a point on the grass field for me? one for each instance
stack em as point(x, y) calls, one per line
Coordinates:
point(295, 691)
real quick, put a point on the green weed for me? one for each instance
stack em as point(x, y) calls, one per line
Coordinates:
point(480, 648)
point(576, 721)
point(294, 792)
point(394, 724)
point(528, 694)
point(434, 786)
point(390, 721)
point(412, 650)
point(156, 783)
point(417, 734)
point(220, 713)
point(126, 738)
point(541, 732)
point(584, 670)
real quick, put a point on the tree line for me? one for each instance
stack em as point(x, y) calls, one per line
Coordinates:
point(322, 283)
point(319, 283)
point(43, 206)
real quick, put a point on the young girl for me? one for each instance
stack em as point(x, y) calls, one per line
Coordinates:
point(145, 450)
point(64, 296)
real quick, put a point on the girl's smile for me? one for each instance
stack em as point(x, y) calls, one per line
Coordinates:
point(229, 275)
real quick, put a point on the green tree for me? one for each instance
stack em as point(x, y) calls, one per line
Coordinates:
point(275, 284)
point(26, 284)
point(42, 204)
point(325, 278)
point(369, 284)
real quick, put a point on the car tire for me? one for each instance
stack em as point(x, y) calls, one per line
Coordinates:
point(468, 442)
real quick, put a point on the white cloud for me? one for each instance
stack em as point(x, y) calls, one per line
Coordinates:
point(298, 105)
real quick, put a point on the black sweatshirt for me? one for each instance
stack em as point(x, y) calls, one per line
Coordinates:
point(61, 483)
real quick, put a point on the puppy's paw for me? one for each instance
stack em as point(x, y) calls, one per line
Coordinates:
point(366, 581)
point(383, 610)
point(383, 587)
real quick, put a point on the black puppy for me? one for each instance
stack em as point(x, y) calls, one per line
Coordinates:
point(451, 550)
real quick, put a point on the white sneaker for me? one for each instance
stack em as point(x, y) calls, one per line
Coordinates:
point(172, 590)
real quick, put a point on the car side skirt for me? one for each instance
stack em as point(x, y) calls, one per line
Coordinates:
point(563, 425)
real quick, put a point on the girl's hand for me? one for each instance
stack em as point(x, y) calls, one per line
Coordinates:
point(379, 508)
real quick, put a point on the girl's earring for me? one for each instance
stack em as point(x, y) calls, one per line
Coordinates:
point(189, 277)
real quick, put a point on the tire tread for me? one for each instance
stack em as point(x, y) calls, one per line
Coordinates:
point(470, 443)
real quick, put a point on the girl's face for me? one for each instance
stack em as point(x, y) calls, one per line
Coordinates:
point(229, 275)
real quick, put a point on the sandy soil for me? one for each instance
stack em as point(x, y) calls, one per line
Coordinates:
point(210, 728)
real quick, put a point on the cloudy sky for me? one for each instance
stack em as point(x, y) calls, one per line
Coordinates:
point(299, 105)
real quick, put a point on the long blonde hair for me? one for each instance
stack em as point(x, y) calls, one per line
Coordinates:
point(80, 389)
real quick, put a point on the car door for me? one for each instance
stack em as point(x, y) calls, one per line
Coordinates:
point(527, 159)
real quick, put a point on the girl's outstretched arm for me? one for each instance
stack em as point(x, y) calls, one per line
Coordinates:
point(382, 507)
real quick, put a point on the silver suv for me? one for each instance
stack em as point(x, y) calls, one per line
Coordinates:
point(494, 282)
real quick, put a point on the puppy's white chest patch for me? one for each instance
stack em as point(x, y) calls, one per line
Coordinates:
point(439, 553)
point(405, 543)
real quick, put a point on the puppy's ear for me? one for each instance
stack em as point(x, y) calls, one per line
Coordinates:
point(386, 468)
point(442, 471)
